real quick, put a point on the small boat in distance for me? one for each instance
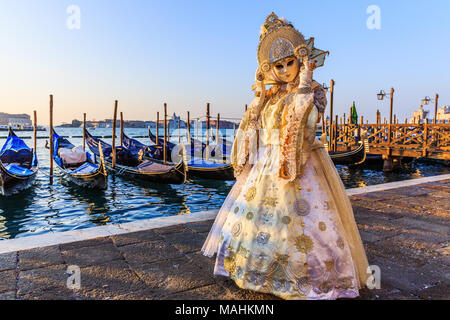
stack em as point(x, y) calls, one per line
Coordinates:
point(18, 165)
point(131, 165)
point(77, 165)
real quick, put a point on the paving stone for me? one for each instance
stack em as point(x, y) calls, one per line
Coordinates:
point(236, 293)
point(201, 226)
point(395, 252)
point(207, 264)
point(187, 241)
point(406, 192)
point(406, 278)
point(145, 294)
point(438, 292)
point(172, 229)
point(87, 256)
point(7, 281)
point(8, 296)
point(47, 283)
point(108, 280)
point(211, 292)
point(172, 276)
point(8, 261)
point(147, 252)
point(85, 243)
point(440, 186)
point(40, 257)
point(367, 236)
point(379, 195)
point(135, 237)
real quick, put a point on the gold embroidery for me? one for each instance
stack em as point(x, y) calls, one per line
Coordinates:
point(282, 259)
point(286, 220)
point(340, 243)
point(250, 215)
point(263, 237)
point(270, 202)
point(344, 283)
point(236, 210)
point(326, 286)
point(329, 265)
point(309, 190)
point(301, 207)
point(236, 230)
point(229, 263)
point(243, 251)
point(304, 285)
point(322, 226)
point(304, 244)
point(251, 193)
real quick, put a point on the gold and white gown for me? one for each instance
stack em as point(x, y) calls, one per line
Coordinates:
point(294, 238)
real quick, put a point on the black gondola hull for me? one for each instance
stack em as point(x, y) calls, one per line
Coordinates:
point(350, 158)
point(11, 184)
point(225, 173)
point(176, 175)
point(95, 180)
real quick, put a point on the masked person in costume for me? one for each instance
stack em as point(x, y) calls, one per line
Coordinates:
point(287, 226)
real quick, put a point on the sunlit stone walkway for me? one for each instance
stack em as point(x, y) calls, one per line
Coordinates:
point(405, 232)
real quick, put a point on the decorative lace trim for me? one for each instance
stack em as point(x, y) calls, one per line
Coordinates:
point(292, 155)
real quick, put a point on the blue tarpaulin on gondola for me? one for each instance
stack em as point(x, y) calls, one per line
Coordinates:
point(14, 143)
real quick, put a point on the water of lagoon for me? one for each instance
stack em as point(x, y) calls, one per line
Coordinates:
point(63, 206)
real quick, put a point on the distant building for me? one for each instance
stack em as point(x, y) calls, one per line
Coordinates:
point(443, 114)
point(419, 116)
point(15, 120)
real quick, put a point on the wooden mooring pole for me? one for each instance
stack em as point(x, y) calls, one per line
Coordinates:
point(51, 139)
point(34, 130)
point(207, 131)
point(188, 128)
point(121, 128)
point(332, 131)
point(114, 134)
point(179, 130)
point(436, 99)
point(217, 128)
point(157, 127)
point(165, 134)
point(84, 131)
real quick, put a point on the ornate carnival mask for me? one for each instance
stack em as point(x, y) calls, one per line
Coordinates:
point(279, 39)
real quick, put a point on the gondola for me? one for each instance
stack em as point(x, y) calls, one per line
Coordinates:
point(353, 157)
point(195, 147)
point(18, 165)
point(134, 166)
point(79, 167)
point(196, 166)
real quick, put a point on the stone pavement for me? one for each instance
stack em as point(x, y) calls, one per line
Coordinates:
point(405, 232)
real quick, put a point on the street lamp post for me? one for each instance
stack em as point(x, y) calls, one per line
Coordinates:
point(388, 161)
point(426, 101)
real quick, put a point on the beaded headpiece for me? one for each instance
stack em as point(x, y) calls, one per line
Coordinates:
point(279, 39)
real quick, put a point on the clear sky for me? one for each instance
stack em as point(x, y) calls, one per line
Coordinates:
point(188, 53)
